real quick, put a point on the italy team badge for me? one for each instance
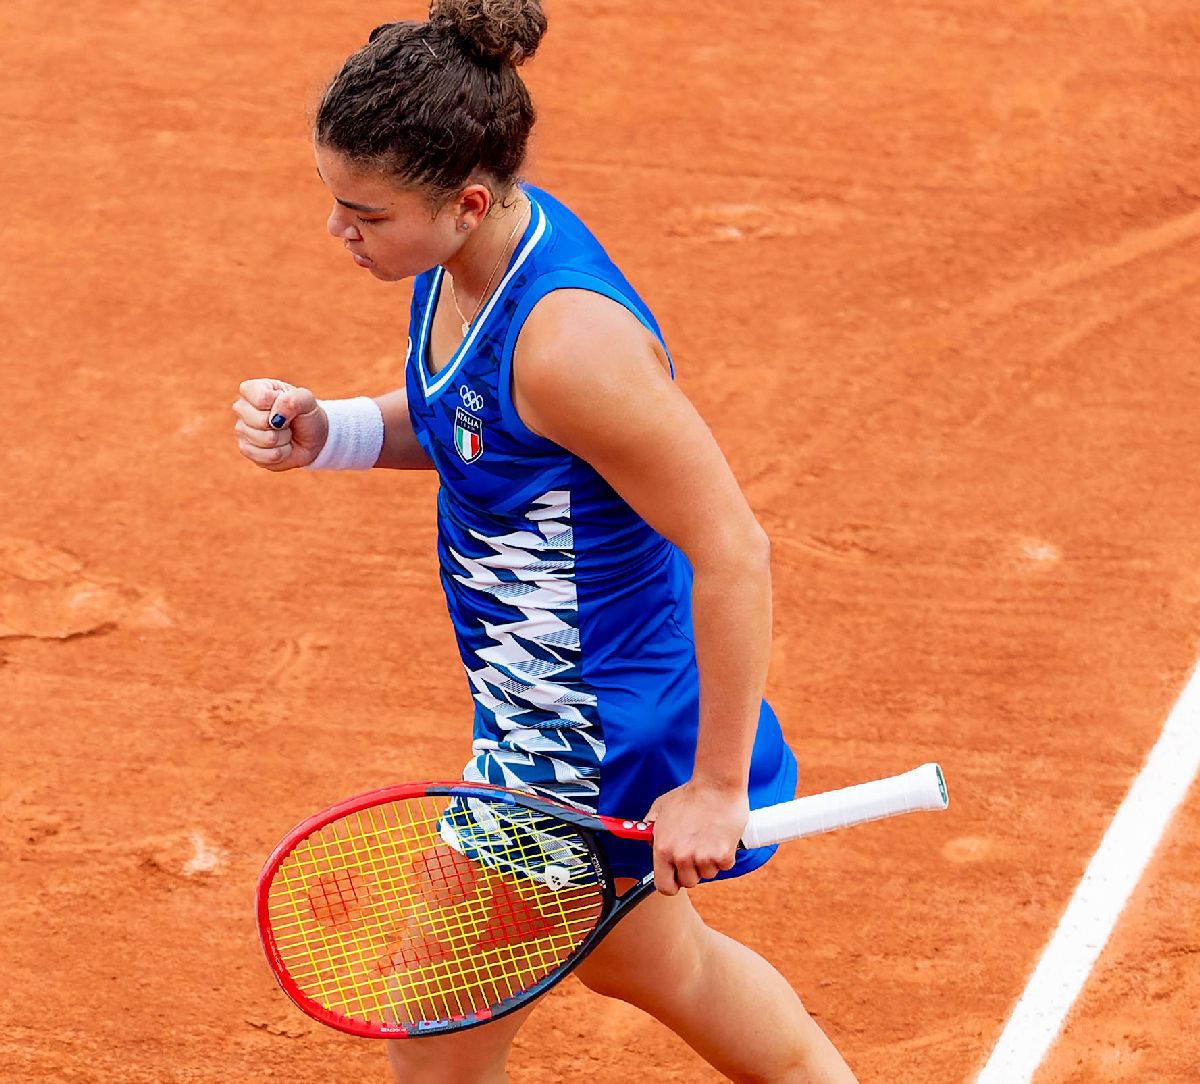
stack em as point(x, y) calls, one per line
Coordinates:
point(468, 436)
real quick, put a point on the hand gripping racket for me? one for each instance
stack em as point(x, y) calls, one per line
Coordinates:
point(427, 908)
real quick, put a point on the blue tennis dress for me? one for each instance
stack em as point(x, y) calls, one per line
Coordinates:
point(573, 616)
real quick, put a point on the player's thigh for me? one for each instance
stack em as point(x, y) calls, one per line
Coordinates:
point(474, 1056)
point(658, 945)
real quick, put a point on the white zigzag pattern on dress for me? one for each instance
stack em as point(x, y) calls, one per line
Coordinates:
point(539, 717)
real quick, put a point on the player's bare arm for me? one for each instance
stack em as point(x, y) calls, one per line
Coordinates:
point(590, 377)
point(401, 450)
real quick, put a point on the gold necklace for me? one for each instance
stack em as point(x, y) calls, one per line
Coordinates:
point(466, 324)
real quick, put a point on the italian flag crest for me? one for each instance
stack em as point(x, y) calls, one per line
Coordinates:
point(468, 436)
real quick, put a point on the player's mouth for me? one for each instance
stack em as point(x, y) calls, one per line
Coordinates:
point(362, 261)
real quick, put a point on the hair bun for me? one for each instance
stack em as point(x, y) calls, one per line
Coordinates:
point(495, 30)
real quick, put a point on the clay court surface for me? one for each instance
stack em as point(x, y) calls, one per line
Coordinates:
point(930, 271)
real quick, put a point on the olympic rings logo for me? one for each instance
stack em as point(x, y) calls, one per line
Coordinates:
point(472, 400)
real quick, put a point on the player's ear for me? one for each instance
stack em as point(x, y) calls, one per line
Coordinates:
point(472, 206)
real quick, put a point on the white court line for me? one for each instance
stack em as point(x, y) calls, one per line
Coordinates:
point(1111, 877)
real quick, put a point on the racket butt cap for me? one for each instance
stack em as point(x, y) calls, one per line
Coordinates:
point(941, 783)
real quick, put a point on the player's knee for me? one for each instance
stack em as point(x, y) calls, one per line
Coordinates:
point(795, 1070)
point(408, 1064)
point(418, 1062)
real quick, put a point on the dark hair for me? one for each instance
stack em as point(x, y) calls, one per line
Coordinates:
point(432, 104)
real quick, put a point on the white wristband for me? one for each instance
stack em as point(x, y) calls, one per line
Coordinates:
point(355, 434)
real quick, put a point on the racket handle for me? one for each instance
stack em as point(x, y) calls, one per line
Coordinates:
point(922, 788)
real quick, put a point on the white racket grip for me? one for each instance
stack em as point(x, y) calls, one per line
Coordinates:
point(922, 788)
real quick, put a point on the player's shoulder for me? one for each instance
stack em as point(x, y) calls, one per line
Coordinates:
point(576, 314)
point(579, 334)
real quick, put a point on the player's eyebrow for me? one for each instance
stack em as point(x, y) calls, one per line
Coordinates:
point(355, 206)
point(360, 206)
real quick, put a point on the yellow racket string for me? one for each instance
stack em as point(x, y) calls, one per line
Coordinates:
point(378, 917)
point(497, 980)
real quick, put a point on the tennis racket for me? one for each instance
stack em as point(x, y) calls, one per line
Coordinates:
point(427, 908)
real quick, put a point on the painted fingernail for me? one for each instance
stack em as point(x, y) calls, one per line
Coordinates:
point(278, 421)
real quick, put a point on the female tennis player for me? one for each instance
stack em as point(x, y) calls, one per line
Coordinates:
point(608, 583)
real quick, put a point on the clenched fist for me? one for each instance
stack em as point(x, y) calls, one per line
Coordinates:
point(279, 426)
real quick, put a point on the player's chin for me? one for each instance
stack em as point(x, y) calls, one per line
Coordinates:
point(386, 274)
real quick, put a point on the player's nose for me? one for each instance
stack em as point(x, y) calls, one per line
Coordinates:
point(341, 227)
